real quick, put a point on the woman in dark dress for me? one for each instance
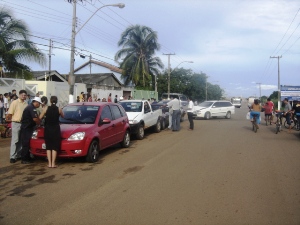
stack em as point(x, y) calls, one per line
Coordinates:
point(52, 130)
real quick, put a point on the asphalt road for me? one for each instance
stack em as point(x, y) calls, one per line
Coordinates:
point(220, 173)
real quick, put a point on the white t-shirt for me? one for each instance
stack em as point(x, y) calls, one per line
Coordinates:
point(191, 107)
point(6, 104)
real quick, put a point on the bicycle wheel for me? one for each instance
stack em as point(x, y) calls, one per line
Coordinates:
point(267, 120)
point(254, 127)
point(287, 126)
point(277, 127)
point(297, 125)
point(8, 132)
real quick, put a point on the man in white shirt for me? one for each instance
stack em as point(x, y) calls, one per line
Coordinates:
point(175, 104)
point(6, 104)
point(190, 113)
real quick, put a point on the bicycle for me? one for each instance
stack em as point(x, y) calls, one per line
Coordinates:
point(294, 123)
point(254, 123)
point(278, 122)
point(7, 132)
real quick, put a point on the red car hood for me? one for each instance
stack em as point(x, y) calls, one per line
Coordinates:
point(67, 130)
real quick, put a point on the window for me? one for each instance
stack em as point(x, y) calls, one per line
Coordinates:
point(116, 112)
point(122, 111)
point(217, 104)
point(106, 113)
point(183, 98)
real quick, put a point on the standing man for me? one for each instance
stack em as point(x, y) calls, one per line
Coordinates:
point(287, 112)
point(6, 102)
point(30, 118)
point(190, 112)
point(175, 104)
point(116, 99)
point(14, 114)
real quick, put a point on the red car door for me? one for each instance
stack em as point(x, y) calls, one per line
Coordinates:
point(106, 131)
point(119, 123)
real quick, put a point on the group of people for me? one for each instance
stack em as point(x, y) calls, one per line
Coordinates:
point(175, 114)
point(88, 98)
point(25, 117)
point(287, 110)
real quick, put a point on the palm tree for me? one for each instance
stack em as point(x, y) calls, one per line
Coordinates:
point(139, 44)
point(15, 47)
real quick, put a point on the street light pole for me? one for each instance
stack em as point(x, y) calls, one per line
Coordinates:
point(206, 88)
point(71, 79)
point(279, 94)
point(170, 71)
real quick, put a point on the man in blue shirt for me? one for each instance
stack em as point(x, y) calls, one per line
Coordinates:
point(30, 119)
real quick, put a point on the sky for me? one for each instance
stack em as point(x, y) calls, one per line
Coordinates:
point(231, 41)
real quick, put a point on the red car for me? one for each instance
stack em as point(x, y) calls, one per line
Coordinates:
point(87, 128)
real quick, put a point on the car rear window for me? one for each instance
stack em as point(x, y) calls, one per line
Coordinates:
point(132, 106)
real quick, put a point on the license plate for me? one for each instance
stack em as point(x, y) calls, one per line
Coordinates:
point(43, 146)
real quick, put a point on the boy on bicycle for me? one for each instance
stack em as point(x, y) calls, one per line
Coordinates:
point(255, 110)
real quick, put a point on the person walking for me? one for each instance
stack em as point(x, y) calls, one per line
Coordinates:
point(29, 120)
point(109, 98)
point(116, 99)
point(14, 114)
point(190, 112)
point(287, 112)
point(52, 130)
point(175, 104)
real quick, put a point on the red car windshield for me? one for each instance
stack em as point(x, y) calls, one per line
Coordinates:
point(79, 114)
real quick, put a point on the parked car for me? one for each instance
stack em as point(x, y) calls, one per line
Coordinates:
point(164, 121)
point(183, 102)
point(141, 116)
point(210, 109)
point(86, 129)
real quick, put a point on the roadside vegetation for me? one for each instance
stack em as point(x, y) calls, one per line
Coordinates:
point(15, 47)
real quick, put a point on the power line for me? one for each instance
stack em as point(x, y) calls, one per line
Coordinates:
point(286, 31)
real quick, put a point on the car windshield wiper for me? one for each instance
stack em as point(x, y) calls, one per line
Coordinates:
point(74, 120)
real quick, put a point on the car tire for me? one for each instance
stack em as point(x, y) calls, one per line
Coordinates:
point(141, 133)
point(207, 115)
point(157, 127)
point(163, 124)
point(93, 152)
point(228, 115)
point(126, 140)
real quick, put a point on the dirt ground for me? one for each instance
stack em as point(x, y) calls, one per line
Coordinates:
point(220, 173)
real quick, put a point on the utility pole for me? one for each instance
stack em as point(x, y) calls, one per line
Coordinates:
point(71, 79)
point(259, 90)
point(50, 53)
point(279, 94)
point(169, 72)
point(90, 65)
point(206, 88)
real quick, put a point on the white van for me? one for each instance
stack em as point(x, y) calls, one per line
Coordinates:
point(209, 109)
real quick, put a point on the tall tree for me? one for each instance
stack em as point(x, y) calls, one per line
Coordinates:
point(15, 47)
point(139, 65)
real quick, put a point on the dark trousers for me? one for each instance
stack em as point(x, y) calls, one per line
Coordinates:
point(176, 120)
point(26, 134)
point(191, 120)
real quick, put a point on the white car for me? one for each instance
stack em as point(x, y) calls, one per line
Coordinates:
point(209, 109)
